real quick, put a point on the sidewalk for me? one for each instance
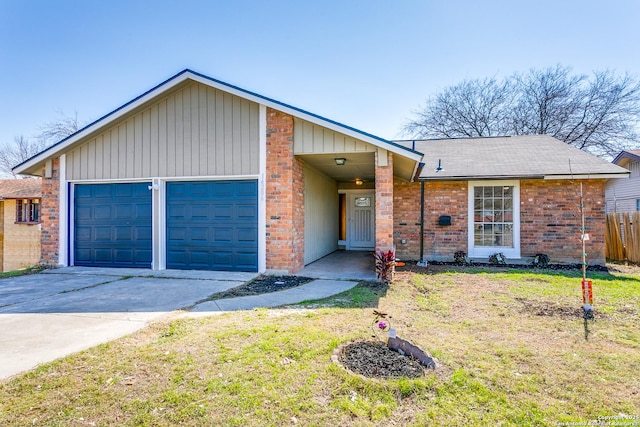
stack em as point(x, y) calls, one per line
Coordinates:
point(316, 289)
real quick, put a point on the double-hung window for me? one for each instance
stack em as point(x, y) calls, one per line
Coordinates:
point(27, 211)
point(494, 218)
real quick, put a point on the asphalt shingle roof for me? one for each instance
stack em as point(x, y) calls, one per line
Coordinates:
point(528, 156)
point(28, 188)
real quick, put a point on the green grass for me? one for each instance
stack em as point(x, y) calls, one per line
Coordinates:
point(501, 365)
point(23, 271)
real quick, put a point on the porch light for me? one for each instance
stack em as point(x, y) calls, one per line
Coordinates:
point(340, 161)
point(359, 181)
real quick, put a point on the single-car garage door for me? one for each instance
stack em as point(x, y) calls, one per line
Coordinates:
point(112, 224)
point(212, 225)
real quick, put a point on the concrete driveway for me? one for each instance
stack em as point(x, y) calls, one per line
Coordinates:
point(50, 315)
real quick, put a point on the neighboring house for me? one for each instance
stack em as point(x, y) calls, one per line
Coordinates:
point(200, 174)
point(19, 223)
point(623, 195)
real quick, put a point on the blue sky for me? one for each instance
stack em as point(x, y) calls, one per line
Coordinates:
point(366, 64)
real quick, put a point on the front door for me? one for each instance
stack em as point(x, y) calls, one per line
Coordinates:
point(362, 231)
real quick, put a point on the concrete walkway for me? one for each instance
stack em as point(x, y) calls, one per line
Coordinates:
point(317, 289)
point(50, 315)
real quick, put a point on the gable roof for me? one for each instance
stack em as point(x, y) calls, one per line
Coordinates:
point(31, 166)
point(28, 188)
point(626, 156)
point(526, 156)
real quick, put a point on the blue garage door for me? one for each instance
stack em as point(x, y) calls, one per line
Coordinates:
point(212, 225)
point(112, 225)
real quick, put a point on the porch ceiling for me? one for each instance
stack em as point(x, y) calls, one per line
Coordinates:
point(358, 165)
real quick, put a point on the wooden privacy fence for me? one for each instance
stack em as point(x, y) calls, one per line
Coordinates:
point(623, 238)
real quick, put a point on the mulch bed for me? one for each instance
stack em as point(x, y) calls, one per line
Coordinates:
point(374, 359)
point(434, 266)
point(262, 285)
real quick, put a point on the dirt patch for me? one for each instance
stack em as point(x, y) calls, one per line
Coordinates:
point(262, 285)
point(548, 309)
point(373, 359)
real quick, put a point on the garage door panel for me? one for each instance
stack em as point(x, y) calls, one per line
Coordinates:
point(102, 234)
point(101, 191)
point(225, 189)
point(199, 235)
point(102, 212)
point(112, 225)
point(246, 188)
point(247, 235)
point(247, 212)
point(212, 225)
point(176, 211)
point(123, 233)
point(222, 235)
point(223, 212)
point(199, 211)
point(142, 233)
point(177, 234)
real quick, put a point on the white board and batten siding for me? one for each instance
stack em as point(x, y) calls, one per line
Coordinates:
point(194, 131)
point(310, 138)
point(320, 215)
point(621, 194)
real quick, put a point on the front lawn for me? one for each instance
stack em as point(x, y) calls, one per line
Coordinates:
point(511, 345)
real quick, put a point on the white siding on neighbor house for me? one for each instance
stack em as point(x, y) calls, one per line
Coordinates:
point(309, 138)
point(621, 194)
point(195, 131)
point(320, 215)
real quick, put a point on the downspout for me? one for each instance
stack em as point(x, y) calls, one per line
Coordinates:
point(416, 177)
point(422, 261)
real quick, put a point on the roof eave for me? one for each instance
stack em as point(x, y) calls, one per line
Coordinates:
point(479, 177)
point(523, 177)
point(625, 155)
point(589, 176)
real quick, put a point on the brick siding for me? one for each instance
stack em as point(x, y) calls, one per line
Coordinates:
point(285, 197)
point(384, 204)
point(549, 219)
point(441, 198)
point(50, 216)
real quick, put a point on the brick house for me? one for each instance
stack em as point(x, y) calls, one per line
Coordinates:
point(19, 223)
point(199, 174)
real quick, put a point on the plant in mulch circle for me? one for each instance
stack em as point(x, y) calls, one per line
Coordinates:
point(540, 260)
point(380, 325)
point(497, 259)
point(385, 265)
point(460, 257)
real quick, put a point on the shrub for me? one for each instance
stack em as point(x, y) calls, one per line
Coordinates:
point(385, 264)
point(497, 259)
point(540, 260)
point(460, 257)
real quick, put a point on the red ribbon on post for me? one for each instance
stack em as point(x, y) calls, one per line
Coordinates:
point(587, 292)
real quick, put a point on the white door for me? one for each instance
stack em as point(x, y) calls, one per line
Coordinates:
point(362, 225)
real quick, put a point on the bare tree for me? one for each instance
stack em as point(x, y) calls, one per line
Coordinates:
point(598, 114)
point(12, 154)
point(16, 153)
point(60, 128)
point(468, 109)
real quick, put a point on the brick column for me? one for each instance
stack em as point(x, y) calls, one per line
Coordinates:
point(384, 202)
point(50, 215)
point(285, 197)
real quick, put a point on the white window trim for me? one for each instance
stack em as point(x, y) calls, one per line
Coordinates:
point(485, 251)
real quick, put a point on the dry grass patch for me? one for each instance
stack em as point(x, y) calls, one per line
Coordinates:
point(502, 364)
